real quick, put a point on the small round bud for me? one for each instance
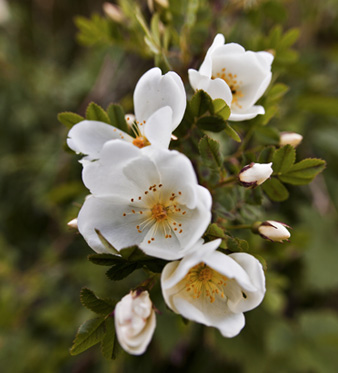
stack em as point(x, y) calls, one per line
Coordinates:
point(72, 224)
point(290, 138)
point(113, 12)
point(274, 231)
point(255, 174)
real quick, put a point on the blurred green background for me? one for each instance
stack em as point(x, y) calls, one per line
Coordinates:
point(43, 265)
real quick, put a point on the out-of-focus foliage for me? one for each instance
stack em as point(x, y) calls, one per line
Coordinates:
point(42, 267)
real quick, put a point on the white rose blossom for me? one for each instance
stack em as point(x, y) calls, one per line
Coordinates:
point(237, 76)
point(212, 288)
point(159, 104)
point(135, 322)
point(147, 197)
point(274, 231)
point(290, 138)
point(255, 174)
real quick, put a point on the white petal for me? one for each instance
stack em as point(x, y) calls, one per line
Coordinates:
point(154, 91)
point(231, 325)
point(206, 66)
point(106, 215)
point(89, 136)
point(216, 88)
point(251, 112)
point(255, 272)
point(158, 128)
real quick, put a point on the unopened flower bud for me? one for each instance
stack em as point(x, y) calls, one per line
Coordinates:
point(113, 12)
point(255, 174)
point(72, 224)
point(135, 322)
point(274, 231)
point(290, 138)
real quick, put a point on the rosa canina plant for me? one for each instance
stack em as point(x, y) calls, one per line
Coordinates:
point(168, 187)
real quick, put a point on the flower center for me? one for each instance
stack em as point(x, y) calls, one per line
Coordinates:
point(202, 280)
point(159, 212)
point(141, 142)
point(234, 85)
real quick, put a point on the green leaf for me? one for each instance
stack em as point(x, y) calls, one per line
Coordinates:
point(211, 123)
point(232, 133)
point(215, 231)
point(266, 155)
point(275, 190)
point(95, 112)
point(69, 119)
point(121, 270)
point(104, 259)
point(283, 159)
point(89, 333)
point(200, 103)
point(221, 108)
point(95, 304)
point(289, 38)
point(236, 244)
point(270, 112)
point(116, 116)
point(106, 243)
point(109, 342)
point(277, 91)
point(304, 171)
point(210, 152)
point(267, 135)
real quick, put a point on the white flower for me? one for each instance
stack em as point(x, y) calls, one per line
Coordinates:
point(212, 288)
point(159, 103)
point(290, 138)
point(237, 76)
point(147, 197)
point(135, 322)
point(255, 174)
point(274, 231)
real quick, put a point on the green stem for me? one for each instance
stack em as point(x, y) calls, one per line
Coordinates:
point(228, 180)
point(240, 226)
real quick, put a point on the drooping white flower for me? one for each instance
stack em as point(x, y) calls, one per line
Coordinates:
point(159, 103)
point(237, 76)
point(290, 138)
point(255, 174)
point(212, 288)
point(147, 197)
point(274, 231)
point(135, 322)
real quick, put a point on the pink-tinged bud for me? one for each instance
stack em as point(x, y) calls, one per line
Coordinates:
point(290, 138)
point(72, 224)
point(135, 322)
point(255, 174)
point(274, 231)
point(113, 12)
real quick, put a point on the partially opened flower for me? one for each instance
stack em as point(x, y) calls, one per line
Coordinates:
point(237, 76)
point(147, 197)
point(255, 174)
point(212, 288)
point(135, 322)
point(159, 103)
point(274, 231)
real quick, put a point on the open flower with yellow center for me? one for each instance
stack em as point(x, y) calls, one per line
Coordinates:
point(159, 103)
point(147, 197)
point(212, 288)
point(237, 76)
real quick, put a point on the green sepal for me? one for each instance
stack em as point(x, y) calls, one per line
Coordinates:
point(95, 112)
point(211, 123)
point(232, 133)
point(69, 119)
point(210, 152)
point(107, 245)
point(116, 115)
point(95, 304)
point(89, 334)
point(220, 108)
point(304, 171)
point(275, 190)
point(283, 159)
point(200, 103)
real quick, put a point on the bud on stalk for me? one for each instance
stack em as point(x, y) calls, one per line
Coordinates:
point(290, 138)
point(273, 231)
point(255, 174)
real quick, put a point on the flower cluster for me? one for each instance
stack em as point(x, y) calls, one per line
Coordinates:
point(143, 194)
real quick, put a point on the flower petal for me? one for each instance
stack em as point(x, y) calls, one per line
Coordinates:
point(206, 66)
point(251, 112)
point(158, 128)
point(89, 136)
point(154, 91)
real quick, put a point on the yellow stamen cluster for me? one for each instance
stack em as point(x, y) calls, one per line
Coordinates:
point(202, 280)
point(141, 142)
point(233, 83)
